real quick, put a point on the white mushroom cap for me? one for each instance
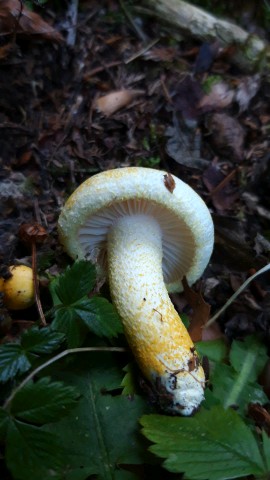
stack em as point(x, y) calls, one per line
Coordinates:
point(187, 227)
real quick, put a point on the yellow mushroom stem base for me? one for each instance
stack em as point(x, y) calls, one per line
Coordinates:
point(157, 337)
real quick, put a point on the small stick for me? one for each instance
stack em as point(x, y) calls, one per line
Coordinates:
point(36, 284)
point(55, 359)
point(223, 182)
point(33, 233)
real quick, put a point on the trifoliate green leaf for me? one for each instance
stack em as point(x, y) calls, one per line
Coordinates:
point(234, 388)
point(248, 357)
point(95, 314)
point(32, 453)
point(68, 322)
point(76, 282)
point(215, 350)
point(99, 316)
point(41, 340)
point(13, 361)
point(44, 401)
point(214, 445)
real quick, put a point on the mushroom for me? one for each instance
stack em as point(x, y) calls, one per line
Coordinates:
point(18, 289)
point(146, 230)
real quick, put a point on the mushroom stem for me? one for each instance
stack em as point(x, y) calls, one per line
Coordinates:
point(155, 332)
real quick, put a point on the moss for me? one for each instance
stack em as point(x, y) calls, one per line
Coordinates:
point(210, 81)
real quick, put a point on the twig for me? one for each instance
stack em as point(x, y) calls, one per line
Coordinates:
point(165, 90)
point(235, 295)
point(137, 29)
point(34, 233)
point(55, 359)
point(100, 69)
point(71, 21)
point(36, 284)
point(142, 51)
point(223, 182)
point(250, 51)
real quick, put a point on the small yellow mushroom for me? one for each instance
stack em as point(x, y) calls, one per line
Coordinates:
point(18, 290)
point(147, 230)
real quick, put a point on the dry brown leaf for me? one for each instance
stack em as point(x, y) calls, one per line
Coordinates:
point(201, 312)
point(14, 16)
point(222, 191)
point(246, 90)
point(5, 50)
point(7, 21)
point(161, 54)
point(227, 134)
point(213, 332)
point(110, 103)
point(220, 96)
point(260, 415)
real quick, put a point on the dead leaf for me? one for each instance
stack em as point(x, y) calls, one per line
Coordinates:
point(261, 244)
point(187, 94)
point(246, 90)
point(161, 54)
point(183, 146)
point(201, 312)
point(14, 16)
point(110, 103)
point(220, 96)
point(205, 58)
point(5, 50)
point(222, 192)
point(169, 182)
point(213, 332)
point(260, 416)
point(227, 134)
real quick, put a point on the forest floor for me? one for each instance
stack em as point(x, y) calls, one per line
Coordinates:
point(182, 107)
point(103, 86)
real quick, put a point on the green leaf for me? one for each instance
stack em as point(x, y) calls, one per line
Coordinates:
point(185, 319)
point(234, 388)
point(235, 385)
point(13, 361)
point(44, 401)
point(15, 358)
point(214, 445)
point(32, 452)
point(95, 314)
point(248, 357)
point(4, 421)
point(68, 322)
point(215, 350)
point(41, 340)
point(102, 432)
point(76, 282)
point(99, 316)
point(266, 449)
point(129, 383)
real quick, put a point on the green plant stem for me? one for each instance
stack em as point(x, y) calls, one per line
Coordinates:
point(137, 29)
point(235, 295)
point(247, 368)
point(55, 359)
